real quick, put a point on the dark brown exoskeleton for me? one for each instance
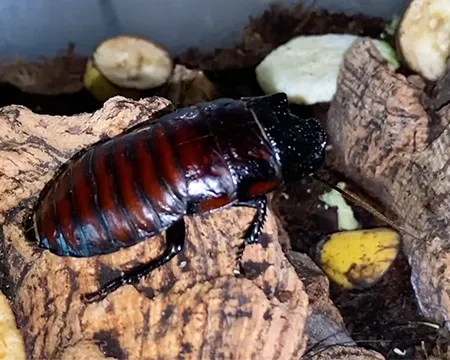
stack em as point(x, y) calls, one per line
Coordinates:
point(194, 161)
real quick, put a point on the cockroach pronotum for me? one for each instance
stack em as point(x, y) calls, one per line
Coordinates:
point(194, 161)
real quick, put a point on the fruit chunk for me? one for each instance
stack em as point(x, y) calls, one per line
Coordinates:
point(133, 62)
point(358, 259)
point(11, 342)
point(306, 68)
point(346, 217)
point(101, 87)
point(423, 37)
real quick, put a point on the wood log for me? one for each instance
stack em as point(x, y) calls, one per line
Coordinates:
point(390, 142)
point(195, 307)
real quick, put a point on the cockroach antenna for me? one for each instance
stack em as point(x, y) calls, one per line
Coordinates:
point(353, 198)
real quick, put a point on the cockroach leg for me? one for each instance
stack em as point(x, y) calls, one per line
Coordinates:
point(175, 238)
point(254, 230)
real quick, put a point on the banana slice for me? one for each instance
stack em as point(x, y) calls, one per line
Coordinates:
point(359, 258)
point(102, 88)
point(306, 68)
point(11, 342)
point(346, 217)
point(423, 37)
point(133, 62)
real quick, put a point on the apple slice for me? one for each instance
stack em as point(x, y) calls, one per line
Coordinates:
point(306, 68)
point(423, 37)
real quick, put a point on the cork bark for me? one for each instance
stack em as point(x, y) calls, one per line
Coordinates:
point(195, 307)
point(391, 136)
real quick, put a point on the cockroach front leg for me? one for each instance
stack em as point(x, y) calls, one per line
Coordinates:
point(255, 229)
point(175, 238)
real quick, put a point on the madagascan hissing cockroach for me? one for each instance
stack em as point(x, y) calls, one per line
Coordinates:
point(193, 161)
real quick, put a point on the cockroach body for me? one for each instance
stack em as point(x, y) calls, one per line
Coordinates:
point(193, 161)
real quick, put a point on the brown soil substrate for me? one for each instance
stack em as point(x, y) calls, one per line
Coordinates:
point(275, 27)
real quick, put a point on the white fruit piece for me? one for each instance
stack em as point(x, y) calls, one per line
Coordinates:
point(423, 37)
point(133, 62)
point(306, 68)
point(346, 217)
point(11, 342)
point(103, 89)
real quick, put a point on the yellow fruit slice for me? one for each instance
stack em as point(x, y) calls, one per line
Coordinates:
point(11, 342)
point(358, 259)
point(423, 37)
point(133, 62)
point(101, 87)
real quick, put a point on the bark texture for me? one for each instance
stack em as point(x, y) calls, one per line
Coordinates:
point(393, 143)
point(195, 307)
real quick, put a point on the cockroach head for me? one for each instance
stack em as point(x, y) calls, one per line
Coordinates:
point(299, 143)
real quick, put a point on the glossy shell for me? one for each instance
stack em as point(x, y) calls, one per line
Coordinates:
point(193, 161)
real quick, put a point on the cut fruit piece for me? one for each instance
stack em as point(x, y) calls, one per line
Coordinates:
point(423, 37)
point(187, 87)
point(12, 346)
point(133, 62)
point(358, 259)
point(306, 68)
point(346, 217)
point(101, 87)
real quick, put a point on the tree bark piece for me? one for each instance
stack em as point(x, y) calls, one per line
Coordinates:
point(392, 144)
point(195, 307)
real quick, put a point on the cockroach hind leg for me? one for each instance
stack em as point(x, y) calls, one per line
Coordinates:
point(175, 238)
point(255, 229)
